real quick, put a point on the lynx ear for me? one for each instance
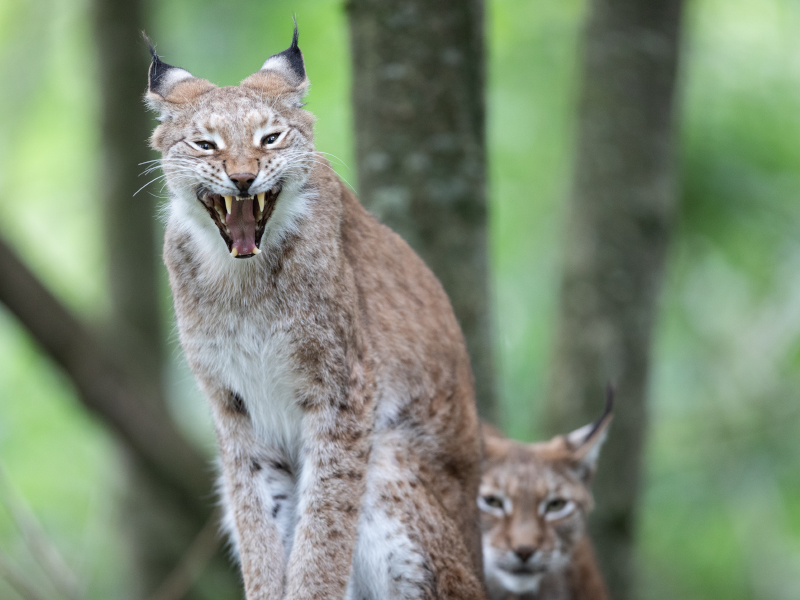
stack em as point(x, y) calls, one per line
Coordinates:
point(170, 87)
point(586, 442)
point(283, 74)
point(494, 443)
point(496, 447)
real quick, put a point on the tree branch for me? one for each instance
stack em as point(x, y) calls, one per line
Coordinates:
point(39, 545)
point(18, 581)
point(107, 384)
point(197, 556)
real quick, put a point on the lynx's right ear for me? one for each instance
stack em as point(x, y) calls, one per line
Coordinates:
point(495, 444)
point(168, 87)
point(283, 74)
point(585, 443)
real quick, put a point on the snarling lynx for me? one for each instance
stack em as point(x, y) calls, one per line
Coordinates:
point(534, 500)
point(339, 383)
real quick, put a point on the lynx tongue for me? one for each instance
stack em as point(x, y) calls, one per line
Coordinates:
point(242, 225)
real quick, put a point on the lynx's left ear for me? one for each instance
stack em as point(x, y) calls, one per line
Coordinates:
point(169, 88)
point(283, 74)
point(586, 442)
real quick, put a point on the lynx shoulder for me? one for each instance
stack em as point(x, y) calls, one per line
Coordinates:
point(337, 374)
point(534, 501)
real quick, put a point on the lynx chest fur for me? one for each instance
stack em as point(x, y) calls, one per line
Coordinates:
point(336, 372)
point(236, 333)
point(534, 501)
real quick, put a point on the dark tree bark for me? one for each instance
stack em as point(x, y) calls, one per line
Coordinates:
point(130, 251)
point(130, 222)
point(418, 95)
point(622, 211)
point(160, 528)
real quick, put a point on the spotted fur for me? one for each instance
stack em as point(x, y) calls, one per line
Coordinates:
point(534, 501)
point(337, 374)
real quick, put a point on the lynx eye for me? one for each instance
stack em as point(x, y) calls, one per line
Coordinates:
point(270, 139)
point(493, 501)
point(492, 504)
point(556, 508)
point(555, 505)
point(206, 145)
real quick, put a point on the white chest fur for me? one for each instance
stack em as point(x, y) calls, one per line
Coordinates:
point(248, 356)
point(247, 351)
point(240, 345)
point(252, 359)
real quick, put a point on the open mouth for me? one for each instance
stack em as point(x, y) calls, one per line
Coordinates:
point(240, 219)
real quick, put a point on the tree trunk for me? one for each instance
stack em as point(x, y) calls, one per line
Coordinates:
point(418, 95)
point(130, 222)
point(160, 528)
point(620, 217)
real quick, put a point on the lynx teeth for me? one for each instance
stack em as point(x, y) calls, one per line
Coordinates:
point(261, 200)
point(228, 203)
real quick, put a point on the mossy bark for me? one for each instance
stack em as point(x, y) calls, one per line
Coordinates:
point(621, 214)
point(158, 516)
point(418, 98)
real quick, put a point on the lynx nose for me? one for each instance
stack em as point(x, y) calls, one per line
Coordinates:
point(243, 181)
point(524, 552)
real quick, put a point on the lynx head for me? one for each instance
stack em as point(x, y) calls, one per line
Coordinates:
point(534, 500)
point(228, 153)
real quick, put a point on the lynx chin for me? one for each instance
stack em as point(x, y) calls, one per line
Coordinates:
point(337, 375)
point(534, 500)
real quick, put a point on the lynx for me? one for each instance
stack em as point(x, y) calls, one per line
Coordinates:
point(337, 375)
point(534, 500)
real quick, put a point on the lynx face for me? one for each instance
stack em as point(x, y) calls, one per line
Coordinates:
point(230, 152)
point(534, 500)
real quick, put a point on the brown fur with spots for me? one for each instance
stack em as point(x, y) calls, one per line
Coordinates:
point(338, 378)
point(535, 499)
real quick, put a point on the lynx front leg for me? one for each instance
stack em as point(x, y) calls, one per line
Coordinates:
point(260, 547)
point(336, 451)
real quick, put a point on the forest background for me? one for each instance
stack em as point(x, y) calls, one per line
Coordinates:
point(720, 508)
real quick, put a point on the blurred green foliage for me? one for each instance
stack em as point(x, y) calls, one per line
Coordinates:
point(721, 513)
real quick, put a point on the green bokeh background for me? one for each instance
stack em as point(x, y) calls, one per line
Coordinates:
point(721, 512)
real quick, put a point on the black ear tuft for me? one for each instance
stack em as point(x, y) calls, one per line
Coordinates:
point(610, 391)
point(294, 35)
point(158, 68)
point(293, 55)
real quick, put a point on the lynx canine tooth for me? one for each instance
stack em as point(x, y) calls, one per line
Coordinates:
point(256, 251)
point(234, 253)
point(261, 200)
point(228, 202)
